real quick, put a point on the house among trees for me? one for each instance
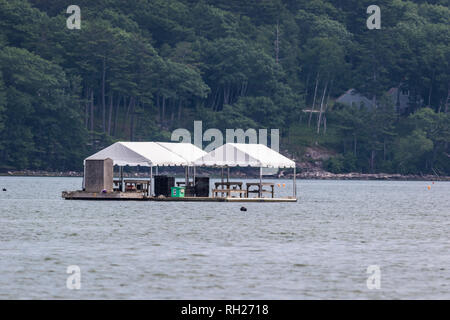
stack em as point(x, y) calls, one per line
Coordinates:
point(400, 99)
point(352, 98)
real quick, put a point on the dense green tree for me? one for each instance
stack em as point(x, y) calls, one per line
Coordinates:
point(2, 105)
point(42, 127)
point(411, 151)
point(136, 71)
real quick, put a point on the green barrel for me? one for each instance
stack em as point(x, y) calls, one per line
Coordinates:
point(177, 192)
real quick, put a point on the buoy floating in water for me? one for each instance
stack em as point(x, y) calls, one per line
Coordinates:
point(284, 185)
point(243, 209)
point(429, 187)
point(278, 185)
point(4, 189)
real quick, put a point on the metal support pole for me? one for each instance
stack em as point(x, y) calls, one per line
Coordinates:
point(193, 169)
point(150, 189)
point(189, 174)
point(157, 170)
point(186, 176)
point(295, 184)
point(260, 182)
point(221, 180)
point(228, 174)
point(122, 187)
point(83, 186)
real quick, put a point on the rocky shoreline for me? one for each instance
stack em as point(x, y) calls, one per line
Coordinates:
point(323, 175)
point(307, 175)
point(42, 173)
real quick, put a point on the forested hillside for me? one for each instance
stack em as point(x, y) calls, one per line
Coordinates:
point(136, 70)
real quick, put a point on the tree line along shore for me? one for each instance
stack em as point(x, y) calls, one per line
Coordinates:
point(376, 99)
point(313, 175)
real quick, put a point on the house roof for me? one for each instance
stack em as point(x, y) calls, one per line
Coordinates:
point(353, 98)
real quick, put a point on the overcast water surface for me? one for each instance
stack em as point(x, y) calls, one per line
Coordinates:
point(317, 248)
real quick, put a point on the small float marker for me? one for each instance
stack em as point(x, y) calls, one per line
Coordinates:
point(243, 209)
point(429, 187)
point(4, 189)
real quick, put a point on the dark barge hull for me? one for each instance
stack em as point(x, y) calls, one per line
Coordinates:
point(135, 196)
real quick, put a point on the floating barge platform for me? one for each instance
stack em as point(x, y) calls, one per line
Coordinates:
point(137, 196)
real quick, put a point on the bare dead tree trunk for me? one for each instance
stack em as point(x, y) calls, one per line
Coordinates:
point(92, 110)
point(132, 118)
point(372, 161)
point(306, 88)
point(314, 100)
point(110, 113)
point(326, 108)
point(172, 112)
point(216, 100)
point(277, 43)
point(86, 108)
point(116, 115)
point(103, 95)
point(213, 99)
point(321, 107)
point(158, 107)
point(374, 96)
point(225, 95)
point(448, 99)
point(243, 88)
point(431, 89)
point(163, 110)
point(179, 110)
point(127, 115)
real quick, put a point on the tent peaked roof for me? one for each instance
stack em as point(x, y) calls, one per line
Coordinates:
point(244, 155)
point(187, 151)
point(139, 154)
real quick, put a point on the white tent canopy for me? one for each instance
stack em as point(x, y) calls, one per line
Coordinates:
point(139, 154)
point(187, 151)
point(244, 155)
point(150, 154)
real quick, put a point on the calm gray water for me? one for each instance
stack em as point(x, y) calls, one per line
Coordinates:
point(318, 248)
